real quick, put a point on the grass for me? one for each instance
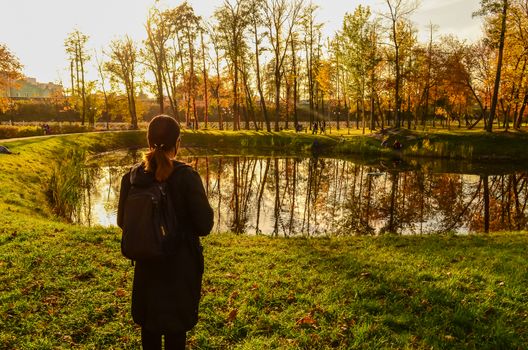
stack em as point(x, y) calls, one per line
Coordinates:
point(441, 144)
point(456, 144)
point(66, 286)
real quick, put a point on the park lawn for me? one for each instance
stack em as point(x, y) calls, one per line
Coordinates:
point(67, 286)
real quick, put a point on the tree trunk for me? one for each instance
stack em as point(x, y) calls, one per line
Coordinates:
point(236, 111)
point(78, 79)
point(218, 83)
point(157, 70)
point(185, 83)
point(72, 78)
point(192, 93)
point(277, 97)
point(518, 122)
point(372, 126)
point(206, 98)
point(83, 92)
point(259, 82)
point(294, 67)
point(496, 86)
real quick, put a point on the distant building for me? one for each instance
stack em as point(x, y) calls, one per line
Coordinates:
point(31, 88)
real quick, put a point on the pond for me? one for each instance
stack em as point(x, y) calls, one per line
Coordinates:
point(292, 196)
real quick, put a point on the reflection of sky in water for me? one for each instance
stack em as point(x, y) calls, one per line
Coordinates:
point(315, 197)
point(101, 201)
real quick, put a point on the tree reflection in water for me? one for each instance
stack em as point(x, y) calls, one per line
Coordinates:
point(315, 196)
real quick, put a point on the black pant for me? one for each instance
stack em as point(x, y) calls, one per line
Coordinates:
point(152, 341)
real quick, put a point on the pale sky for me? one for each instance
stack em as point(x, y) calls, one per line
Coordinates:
point(35, 30)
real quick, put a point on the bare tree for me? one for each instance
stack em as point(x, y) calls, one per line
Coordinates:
point(75, 45)
point(158, 33)
point(398, 15)
point(256, 20)
point(122, 67)
point(280, 17)
point(232, 23)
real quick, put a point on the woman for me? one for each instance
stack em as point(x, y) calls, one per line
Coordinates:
point(166, 291)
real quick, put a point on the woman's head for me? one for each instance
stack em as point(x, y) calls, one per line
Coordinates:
point(163, 133)
point(163, 138)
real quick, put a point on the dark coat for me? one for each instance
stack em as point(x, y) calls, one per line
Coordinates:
point(166, 292)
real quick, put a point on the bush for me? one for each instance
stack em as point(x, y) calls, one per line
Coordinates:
point(8, 131)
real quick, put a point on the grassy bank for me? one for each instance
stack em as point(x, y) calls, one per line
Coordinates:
point(441, 144)
point(455, 144)
point(65, 286)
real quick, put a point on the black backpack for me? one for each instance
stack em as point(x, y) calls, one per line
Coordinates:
point(150, 226)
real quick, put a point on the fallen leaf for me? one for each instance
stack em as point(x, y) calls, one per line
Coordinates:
point(234, 295)
point(232, 315)
point(120, 293)
point(306, 320)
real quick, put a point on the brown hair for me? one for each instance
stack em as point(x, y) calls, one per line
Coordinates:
point(163, 135)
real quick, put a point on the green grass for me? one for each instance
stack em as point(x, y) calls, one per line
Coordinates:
point(66, 286)
point(442, 144)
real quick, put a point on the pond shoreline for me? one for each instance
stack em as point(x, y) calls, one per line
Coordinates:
point(475, 146)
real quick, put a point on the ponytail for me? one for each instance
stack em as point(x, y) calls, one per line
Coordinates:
point(158, 160)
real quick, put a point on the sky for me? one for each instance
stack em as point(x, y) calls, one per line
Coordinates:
point(34, 30)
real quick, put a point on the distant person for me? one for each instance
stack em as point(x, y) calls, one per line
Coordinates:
point(166, 290)
point(47, 129)
point(298, 127)
point(314, 128)
point(397, 145)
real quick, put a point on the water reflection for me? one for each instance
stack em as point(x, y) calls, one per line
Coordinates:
point(315, 196)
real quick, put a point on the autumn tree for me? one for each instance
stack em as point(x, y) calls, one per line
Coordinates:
point(359, 42)
point(232, 23)
point(10, 72)
point(256, 21)
point(280, 18)
point(205, 76)
point(187, 24)
point(496, 8)
point(75, 44)
point(10, 67)
point(311, 30)
point(399, 23)
point(154, 53)
point(217, 86)
point(122, 67)
point(106, 110)
point(514, 81)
